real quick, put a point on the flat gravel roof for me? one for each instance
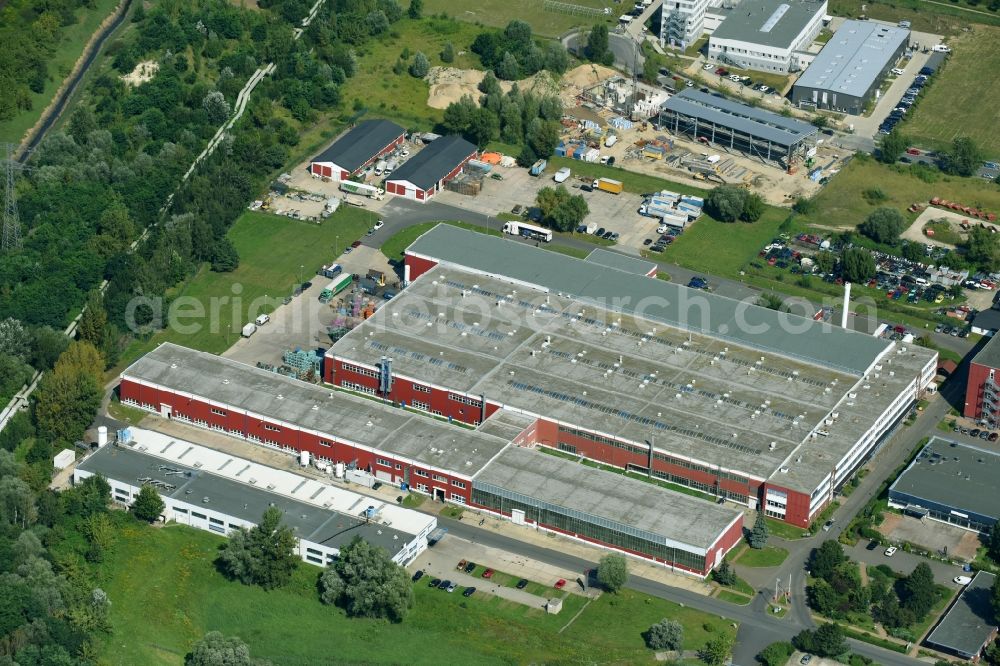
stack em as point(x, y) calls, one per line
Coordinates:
point(775, 23)
point(675, 518)
point(595, 364)
point(336, 414)
point(989, 355)
point(620, 261)
point(970, 622)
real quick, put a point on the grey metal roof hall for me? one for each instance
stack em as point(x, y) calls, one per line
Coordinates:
point(620, 261)
point(627, 503)
point(434, 162)
point(856, 55)
point(743, 322)
point(756, 122)
point(239, 500)
point(970, 622)
point(957, 476)
point(361, 143)
point(989, 355)
point(775, 23)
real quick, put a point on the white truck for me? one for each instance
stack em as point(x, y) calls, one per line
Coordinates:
point(249, 330)
point(610, 140)
point(562, 175)
point(363, 189)
point(379, 167)
point(528, 231)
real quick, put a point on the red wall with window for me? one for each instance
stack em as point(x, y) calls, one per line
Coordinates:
point(797, 509)
point(726, 542)
point(978, 374)
point(330, 448)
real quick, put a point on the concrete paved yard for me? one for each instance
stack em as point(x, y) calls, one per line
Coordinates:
point(932, 535)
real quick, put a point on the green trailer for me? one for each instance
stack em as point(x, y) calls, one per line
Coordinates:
point(340, 284)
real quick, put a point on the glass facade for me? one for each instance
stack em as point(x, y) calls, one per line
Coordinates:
point(584, 525)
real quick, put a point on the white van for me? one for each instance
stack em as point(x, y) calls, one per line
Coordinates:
point(941, 48)
point(263, 319)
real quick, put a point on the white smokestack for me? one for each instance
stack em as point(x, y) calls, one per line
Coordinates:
point(406, 274)
point(102, 436)
point(847, 305)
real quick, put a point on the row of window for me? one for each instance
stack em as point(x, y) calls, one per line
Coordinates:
point(420, 388)
point(358, 370)
point(416, 404)
point(220, 412)
point(465, 400)
point(357, 387)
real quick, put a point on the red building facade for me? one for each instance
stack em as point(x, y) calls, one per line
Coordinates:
point(439, 483)
point(982, 400)
point(334, 171)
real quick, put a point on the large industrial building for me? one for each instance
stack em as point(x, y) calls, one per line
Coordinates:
point(736, 126)
point(953, 483)
point(219, 492)
point(970, 624)
point(492, 468)
point(768, 35)
point(763, 408)
point(848, 71)
point(424, 174)
point(982, 390)
point(357, 148)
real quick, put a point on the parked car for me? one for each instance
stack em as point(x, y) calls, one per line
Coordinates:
point(379, 225)
point(444, 585)
point(418, 574)
point(872, 545)
point(434, 582)
point(560, 584)
point(468, 592)
point(993, 437)
point(600, 231)
point(488, 574)
point(470, 567)
point(697, 283)
point(521, 584)
point(607, 235)
point(890, 551)
point(962, 580)
point(806, 658)
point(827, 525)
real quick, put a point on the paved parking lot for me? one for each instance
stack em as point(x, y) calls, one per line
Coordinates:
point(302, 322)
point(937, 537)
point(440, 560)
point(618, 213)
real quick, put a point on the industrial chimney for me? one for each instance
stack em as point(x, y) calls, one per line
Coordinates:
point(847, 305)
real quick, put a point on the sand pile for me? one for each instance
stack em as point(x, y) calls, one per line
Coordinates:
point(449, 84)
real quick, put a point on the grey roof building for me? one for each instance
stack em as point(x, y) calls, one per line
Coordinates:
point(970, 624)
point(735, 126)
point(764, 34)
point(951, 482)
point(360, 145)
point(848, 71)
point(622, 262)
point(434, 163)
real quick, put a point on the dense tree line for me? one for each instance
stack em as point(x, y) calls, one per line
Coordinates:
point(897, 602)
point(30, 33)
point(513, 54)
point(518, 118)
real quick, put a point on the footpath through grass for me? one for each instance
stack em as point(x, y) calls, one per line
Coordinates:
point(272, 250)
point(960, 100)
point(166, 594)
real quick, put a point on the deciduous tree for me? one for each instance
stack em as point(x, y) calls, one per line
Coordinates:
point(612, 572)
point(666, 634)
point(214, 649)
point(964, 158)
point(725, 203)
point(891, 147)
point(883, 225)
point(826, 558)
point(262, 555)
point(367, 583)
point(420, 65)
point(857, 265)
point(716, 651)
point(148, 504)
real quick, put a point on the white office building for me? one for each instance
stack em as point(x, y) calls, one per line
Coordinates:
point(682, 22)
point(768, 35)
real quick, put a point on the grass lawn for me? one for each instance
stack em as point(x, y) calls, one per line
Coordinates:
point(130, 415)
point(271, 251)
point(67, 52)
point(402, 97)
point(840, 203)
point(723, 249)
point(769, 556)
point(676, 487)
point(939, 18)
point(956, 103)
point(733, 597)
point(783, 530)
point(166, 594)
point(498, 13)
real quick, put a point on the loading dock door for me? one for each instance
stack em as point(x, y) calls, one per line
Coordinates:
point(165, 410)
